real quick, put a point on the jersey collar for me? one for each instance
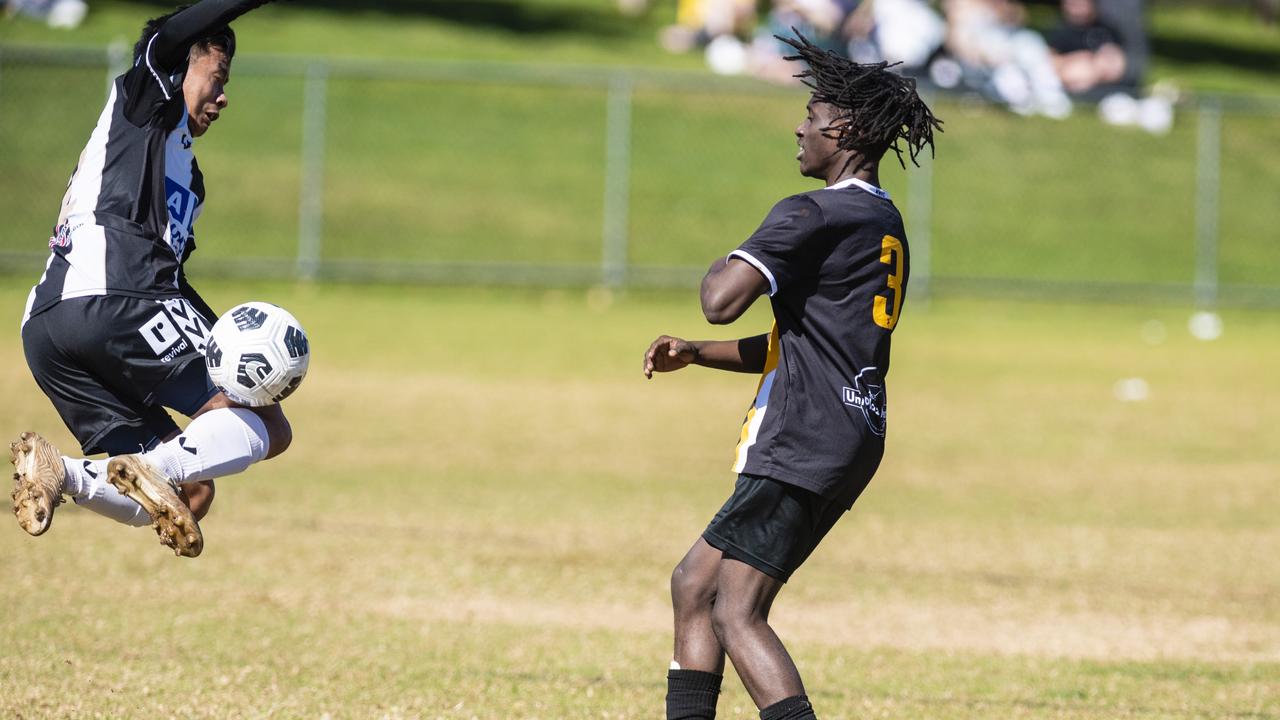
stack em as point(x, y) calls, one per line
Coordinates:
point(878, 192)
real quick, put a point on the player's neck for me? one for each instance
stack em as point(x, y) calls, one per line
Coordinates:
point(866, 173)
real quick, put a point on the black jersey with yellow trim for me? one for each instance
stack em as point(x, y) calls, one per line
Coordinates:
point(837, 263)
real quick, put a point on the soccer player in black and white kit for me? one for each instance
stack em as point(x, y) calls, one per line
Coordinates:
point(834, 263)
point(113, 332)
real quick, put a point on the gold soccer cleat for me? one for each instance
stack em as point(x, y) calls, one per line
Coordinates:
point(135, 478)
point(37, 483)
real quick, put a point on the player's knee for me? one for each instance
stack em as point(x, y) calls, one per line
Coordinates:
point(280, 433)
point(689, 590)
point(724, 623)
point(729, 618)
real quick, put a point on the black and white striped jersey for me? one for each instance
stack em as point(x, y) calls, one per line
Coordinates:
point(127, 219)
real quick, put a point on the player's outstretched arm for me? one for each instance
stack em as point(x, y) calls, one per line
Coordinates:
point(173, 41)
point(667, 354)
point(729, 288)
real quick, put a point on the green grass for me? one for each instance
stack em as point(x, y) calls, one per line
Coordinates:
point(484, 501)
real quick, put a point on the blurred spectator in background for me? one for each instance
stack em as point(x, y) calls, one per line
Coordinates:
point(1101, 53)
point(895, 31)
point(65, 14)
point(992, 51)
point(1098, 51)
point(821, 21)
point(1090, 54)
point(699, 22)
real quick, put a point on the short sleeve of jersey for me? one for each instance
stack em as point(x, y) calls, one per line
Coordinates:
point(149, 89)
point(780, 247)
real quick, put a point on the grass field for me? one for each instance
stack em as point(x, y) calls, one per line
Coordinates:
point(484, 500)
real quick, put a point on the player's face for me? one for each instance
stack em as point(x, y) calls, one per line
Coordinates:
point(818, 143)
point(205, 88)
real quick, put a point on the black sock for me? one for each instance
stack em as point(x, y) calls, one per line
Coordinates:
point(692, 695)
point(793, 708)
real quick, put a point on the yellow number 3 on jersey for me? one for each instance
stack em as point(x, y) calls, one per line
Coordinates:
point(890, 254)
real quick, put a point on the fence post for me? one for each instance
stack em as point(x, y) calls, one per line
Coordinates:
point(920, 214)
point(617, 181)
point(311, 189)
point(1208, 192)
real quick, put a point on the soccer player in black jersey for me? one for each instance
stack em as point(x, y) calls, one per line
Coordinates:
point(113, 332)
point(834, 263)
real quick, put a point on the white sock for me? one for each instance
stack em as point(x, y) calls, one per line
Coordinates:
point(82, 476)
point(220, 442)
point(88, 487)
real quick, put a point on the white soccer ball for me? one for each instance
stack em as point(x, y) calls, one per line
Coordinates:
point(257, 354)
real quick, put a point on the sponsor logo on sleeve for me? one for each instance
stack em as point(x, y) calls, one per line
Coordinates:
point(867, 395)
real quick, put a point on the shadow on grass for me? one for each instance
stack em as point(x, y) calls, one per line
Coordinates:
point(1200, 51)
point(598, 18)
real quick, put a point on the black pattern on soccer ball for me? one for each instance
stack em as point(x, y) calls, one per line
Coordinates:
point(248, 318)
point(254, 369)
point(213, 354)
point(296, 342)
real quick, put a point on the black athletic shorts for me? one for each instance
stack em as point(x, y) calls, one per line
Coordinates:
point(111, 365)
point(772, 526)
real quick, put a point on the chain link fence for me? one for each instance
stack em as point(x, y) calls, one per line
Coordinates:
point(493, 173)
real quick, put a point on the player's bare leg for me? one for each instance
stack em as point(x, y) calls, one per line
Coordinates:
point(740, 619)
point(693, 593)
point(697, 667)
point(198, 496)
point(38, 481)
point(173, 521)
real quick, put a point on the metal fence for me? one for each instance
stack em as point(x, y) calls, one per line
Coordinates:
point(496, 173)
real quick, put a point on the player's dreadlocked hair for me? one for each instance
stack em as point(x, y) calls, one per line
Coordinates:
point(877, 107)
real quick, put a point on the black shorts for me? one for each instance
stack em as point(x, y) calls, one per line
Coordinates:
point(111, 365)
point(772, 526)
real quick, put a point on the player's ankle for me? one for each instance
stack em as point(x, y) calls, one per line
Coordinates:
point(692, 694)
point(796, 707)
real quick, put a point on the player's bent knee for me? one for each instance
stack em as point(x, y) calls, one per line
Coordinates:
point(690, 590)
point(279, 431)
point(281, 437)
point(729, 618)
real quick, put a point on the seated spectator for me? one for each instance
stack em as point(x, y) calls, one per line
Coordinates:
point(1087, 53)
point(993, 52)
point(63, 14)
point(698, 22)
point(1100, 53)
point(908, 32)
point(818, 20)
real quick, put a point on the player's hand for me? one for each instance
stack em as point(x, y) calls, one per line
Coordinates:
point(667, 354)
